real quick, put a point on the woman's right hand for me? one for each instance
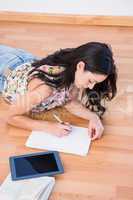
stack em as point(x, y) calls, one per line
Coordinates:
point(59, 129)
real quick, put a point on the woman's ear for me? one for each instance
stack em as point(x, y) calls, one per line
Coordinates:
point(80, 65)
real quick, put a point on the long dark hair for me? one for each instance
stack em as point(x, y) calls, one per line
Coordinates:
point(98, 58)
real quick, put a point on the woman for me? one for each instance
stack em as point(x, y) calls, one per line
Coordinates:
point(79, 78)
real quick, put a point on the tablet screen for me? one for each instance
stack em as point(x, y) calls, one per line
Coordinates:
point(37, 164)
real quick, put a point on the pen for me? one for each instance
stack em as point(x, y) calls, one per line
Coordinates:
point(58, 119)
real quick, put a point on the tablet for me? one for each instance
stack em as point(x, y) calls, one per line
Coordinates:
point(35, 165)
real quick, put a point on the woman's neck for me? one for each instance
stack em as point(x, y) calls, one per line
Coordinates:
point(74, 92)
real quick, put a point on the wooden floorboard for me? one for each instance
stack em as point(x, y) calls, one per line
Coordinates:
point(107, 172)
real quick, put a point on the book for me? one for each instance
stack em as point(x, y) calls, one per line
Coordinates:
point(28, 189)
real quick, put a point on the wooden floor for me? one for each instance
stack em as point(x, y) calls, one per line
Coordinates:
point(107, 172)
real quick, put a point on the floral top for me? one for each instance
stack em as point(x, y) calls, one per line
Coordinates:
point(17, 83)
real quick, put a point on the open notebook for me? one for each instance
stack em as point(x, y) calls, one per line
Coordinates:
point(78, 142)
point(29, 189)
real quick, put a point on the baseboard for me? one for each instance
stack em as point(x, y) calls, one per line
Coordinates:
point(66, 19)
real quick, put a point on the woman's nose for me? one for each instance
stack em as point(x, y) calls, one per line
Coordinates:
point(90, 86)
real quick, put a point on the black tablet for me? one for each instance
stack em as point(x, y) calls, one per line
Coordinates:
point(35, 165)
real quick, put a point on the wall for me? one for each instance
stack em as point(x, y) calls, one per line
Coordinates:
point(78, 7)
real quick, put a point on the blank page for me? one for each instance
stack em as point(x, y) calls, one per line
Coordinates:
point(77, 142)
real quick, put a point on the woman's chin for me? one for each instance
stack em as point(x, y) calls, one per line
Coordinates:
point(78, 86)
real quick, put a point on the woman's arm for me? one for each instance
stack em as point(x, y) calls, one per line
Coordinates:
point(95, 126)
point(27, 123)
point(26, 102)
point(44, 126)
point(76, 108)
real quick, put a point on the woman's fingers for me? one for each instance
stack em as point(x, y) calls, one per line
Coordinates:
point(93, 134)
point(65, 129)
point(94, 137)
point(66, 132)
point(67, 126)
point(62, 133)
point(96, 134)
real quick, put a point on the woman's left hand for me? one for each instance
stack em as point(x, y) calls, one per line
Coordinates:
point(95, 127)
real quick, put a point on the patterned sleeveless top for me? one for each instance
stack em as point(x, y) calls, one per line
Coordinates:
point(17, 83)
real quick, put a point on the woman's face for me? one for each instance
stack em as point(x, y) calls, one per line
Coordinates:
point(86, 79)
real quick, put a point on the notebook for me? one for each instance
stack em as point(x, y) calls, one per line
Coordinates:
point(29, 189)
point(77, 142)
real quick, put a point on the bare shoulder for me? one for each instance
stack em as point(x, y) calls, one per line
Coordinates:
point(39, 89)
point(33, 96)
point(34, 83)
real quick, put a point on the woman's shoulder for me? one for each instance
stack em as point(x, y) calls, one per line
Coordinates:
point(36, 83)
